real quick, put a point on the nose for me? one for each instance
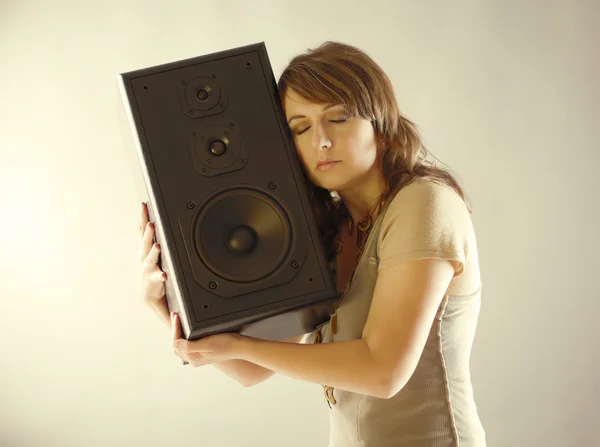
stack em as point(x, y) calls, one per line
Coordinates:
point(320, 139)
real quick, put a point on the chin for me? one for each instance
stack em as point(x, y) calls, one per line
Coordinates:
point(330, 184)
point(329, 180)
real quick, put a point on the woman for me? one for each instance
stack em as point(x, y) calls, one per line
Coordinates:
point(393, 359)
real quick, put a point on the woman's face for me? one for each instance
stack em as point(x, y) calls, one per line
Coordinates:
point(338, 151)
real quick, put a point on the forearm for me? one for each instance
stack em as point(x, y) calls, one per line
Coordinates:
point(244, 372)
point(347, 365)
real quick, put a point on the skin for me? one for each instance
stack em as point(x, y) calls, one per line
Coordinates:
point(406, 295)
point(319, 136)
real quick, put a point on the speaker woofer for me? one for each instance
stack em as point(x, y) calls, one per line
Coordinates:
point(242, 235)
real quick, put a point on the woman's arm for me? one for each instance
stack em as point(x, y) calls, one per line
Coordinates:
point(403, 308)
point(246, 373)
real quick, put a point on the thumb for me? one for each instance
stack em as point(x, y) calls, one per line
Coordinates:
point(176, 326)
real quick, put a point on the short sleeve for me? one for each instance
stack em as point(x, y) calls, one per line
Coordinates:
point(425, 220)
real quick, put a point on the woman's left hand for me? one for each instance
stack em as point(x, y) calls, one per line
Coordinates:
point(207, 350)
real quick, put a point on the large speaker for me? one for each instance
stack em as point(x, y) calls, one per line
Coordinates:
point(224, 187)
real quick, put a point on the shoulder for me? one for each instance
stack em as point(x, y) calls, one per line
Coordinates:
point(423, 192)
point(425, 219)
point(424, 200)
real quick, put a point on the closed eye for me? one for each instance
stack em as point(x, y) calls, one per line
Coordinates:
point(331, 121)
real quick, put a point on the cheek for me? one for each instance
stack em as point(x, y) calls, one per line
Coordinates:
point(363, 152)
point(304, 159)
point(301, 155)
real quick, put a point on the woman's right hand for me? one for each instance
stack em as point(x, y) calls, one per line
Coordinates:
point(151, 279)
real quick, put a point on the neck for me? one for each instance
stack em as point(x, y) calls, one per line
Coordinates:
point(362, 198)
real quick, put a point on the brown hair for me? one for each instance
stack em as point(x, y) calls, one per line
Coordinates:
point(342, 74)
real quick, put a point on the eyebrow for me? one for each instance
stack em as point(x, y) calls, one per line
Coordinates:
point(304, 116)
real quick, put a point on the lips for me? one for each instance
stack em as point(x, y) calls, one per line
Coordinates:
point(326, 165)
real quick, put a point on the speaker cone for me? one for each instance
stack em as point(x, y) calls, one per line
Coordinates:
point(242, 235)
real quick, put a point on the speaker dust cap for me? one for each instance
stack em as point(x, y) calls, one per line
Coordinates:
point(202, 93)
point(242, 235)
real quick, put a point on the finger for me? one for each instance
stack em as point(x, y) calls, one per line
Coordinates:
point(180, 354)
point(158, 275)
point(147, 241)
point(177, 327)
point(176, 334)
point(143, 217)
point(178, 341)
point(152, 258)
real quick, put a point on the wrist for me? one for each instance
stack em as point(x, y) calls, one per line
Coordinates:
point(240, 347)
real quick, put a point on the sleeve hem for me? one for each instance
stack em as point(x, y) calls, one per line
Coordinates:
point(428, 254)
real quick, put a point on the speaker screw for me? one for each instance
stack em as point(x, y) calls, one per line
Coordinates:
point(231, 124)
point(205, 306)
point(272, 185)
point(193, 134)
point(248, 64)
point(203, 169)
point(295, 264)
point(145, 88)
point(242, 160)
point(311, 279)
point(182, 82)
point(221, 104)
point(190, 205)
point(212, 285)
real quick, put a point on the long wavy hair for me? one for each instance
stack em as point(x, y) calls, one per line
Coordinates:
point(343, 74)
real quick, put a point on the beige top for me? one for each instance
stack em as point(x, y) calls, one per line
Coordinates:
point(436, 407)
